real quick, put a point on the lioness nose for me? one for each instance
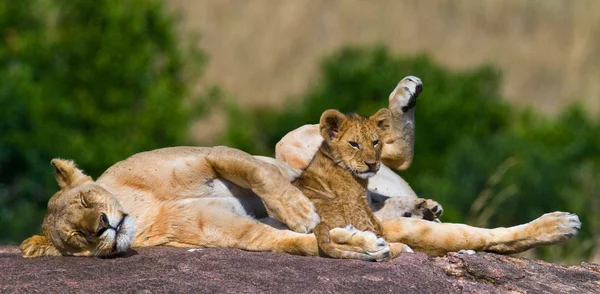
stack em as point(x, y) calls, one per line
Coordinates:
point(103, 225)
point(372, 165)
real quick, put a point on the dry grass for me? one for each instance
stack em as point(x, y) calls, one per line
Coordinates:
point(266, 51)
point(487, 203)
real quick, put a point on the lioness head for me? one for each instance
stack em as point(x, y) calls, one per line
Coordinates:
point(83, 219)
point(353, 141)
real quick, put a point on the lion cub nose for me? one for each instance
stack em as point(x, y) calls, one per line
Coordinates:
point(372, 166)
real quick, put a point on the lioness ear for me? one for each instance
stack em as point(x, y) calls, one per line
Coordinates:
point(67, 173)
point(330, 123)
point(37, 246)
point(383, 119)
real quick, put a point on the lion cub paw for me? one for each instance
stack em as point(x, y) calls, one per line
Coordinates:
point(555, 227)
point(426, 209)
point(376, 247)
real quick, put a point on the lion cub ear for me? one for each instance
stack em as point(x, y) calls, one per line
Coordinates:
point(331, 123)
point(37, 246)
point(383, 119)
point(67, 174)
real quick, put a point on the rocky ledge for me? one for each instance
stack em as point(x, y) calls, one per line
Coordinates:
point(168, 270)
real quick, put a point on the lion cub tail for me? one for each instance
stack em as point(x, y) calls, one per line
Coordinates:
point(327, 248)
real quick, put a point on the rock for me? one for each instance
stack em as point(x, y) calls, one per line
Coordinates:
point(164, 269)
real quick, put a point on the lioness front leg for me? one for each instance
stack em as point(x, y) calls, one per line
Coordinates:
point(282, 199)
point(439, 238)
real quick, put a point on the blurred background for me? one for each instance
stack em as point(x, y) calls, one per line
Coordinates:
point(507, 125)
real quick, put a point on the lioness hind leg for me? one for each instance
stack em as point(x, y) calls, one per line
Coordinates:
point(398, 152)
point(440, 238)
point(225, 229)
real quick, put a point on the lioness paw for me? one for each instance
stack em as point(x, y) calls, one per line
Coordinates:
point(296, 211)
point(426, 209)
point(555, 227)
point(404, 97)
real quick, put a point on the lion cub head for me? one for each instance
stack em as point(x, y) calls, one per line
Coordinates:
point(355, 142)
point(83, 219)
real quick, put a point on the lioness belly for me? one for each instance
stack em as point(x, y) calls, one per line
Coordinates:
point(243, 201)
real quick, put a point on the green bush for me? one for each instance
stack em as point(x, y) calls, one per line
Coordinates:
point(95, 81)
point(487, 163)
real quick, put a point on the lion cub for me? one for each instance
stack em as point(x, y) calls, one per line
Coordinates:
point(337, 177)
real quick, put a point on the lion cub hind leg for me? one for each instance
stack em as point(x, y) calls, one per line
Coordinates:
point(375, 249)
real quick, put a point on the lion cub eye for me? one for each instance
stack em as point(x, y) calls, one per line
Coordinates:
point(375, 143)
point(353, 144)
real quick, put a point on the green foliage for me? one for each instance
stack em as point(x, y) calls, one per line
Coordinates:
point(487, 163)
point(95, 81)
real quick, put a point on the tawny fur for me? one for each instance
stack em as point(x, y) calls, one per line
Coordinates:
point(217, 197)
point(336, 178)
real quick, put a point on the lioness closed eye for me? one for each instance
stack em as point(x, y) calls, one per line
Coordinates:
point(83, 219)
point(337, 177)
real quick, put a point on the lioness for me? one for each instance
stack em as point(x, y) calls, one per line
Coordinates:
point(214, 197)
point(337, 176)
